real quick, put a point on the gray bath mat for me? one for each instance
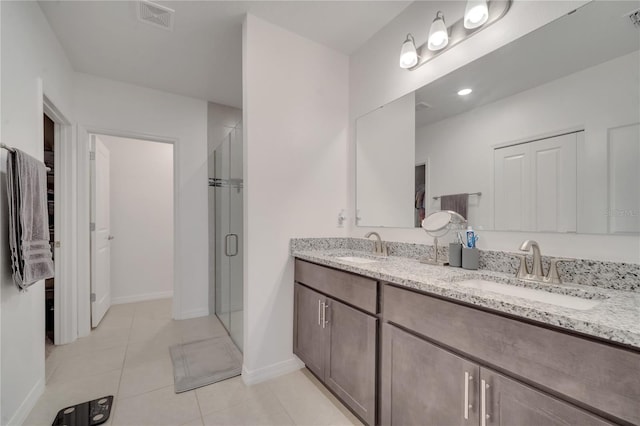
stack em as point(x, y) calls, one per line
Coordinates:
point(203, 362)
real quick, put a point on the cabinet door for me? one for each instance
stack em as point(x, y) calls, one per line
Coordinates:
point(350, 367)
point(511, 403)
point(423, 384)
point(308, 335)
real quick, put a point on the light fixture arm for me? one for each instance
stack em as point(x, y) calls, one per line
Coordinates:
point(458, 33)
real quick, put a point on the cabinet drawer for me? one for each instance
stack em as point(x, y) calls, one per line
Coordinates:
point(601, 376)
point(353, 289)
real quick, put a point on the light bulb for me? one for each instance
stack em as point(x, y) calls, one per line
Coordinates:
point(476, 14)
point(464, 92)
point(408, 53)
point(438, 35)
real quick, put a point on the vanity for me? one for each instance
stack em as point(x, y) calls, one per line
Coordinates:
point(543, 140)
point(403, 343)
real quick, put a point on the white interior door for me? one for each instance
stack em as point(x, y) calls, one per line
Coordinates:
point(512, 188)
point(555, 183)
point(100, 233)
point(535, 185)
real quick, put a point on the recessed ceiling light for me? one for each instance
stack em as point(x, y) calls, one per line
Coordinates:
point(464, 92)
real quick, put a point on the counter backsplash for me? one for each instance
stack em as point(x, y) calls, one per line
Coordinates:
point(612, 275)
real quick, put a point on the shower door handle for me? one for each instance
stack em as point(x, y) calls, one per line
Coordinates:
point(226, 245)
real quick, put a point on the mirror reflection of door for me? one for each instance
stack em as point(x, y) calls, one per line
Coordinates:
point(535, 185)
point(420, 194)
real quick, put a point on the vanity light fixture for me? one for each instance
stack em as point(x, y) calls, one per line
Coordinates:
point(438, 34)
point(476, 14)
point(464, 92)
point(479, 14)
point(408, 54)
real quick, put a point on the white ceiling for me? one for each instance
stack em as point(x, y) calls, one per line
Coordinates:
point(202, 56)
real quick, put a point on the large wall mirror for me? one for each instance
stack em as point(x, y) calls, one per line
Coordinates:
point(547, 141)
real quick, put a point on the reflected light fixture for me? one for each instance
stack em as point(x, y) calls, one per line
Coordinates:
point(476, 14)
point(438, 35)
point(408, 54)
point(464, 92)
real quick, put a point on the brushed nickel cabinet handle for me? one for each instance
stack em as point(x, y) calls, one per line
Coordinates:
point(467, 377)
point(484, 416)
point(319, 312)
point(324, 314)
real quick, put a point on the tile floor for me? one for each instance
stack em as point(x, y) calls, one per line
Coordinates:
point(127, 356)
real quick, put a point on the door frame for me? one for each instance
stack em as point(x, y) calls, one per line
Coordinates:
point(426, 162)
point(65, 294)
point(84, 218)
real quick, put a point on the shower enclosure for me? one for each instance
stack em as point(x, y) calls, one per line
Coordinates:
point(227, 184)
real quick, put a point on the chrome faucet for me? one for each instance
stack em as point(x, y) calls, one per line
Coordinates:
point(381, 246)
point(537, 274)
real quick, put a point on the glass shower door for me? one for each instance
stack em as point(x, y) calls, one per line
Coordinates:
point(229, 233)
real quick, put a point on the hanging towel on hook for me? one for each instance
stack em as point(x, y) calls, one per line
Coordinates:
point(31, 257)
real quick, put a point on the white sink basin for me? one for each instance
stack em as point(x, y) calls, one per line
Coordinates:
point(355, 259)
point(564, 300)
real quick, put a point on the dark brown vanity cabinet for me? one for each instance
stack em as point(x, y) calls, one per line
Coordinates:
point(424, 384)
point(337, 341)
point(443, 362)
point(508, 402)
point(308, 334)
point(447, 363)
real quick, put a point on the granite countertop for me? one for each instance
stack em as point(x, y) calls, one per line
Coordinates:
point(615, 318)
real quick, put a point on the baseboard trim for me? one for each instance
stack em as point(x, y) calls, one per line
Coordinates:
point(142, 297)
point(195, 313)
point(252, 377)
point(28, 404)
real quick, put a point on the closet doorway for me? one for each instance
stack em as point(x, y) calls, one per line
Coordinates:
point(49, 284)
point(421, 193)
point(132, 216)
point(58, 148)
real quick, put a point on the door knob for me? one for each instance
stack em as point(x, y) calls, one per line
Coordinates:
point(110, 237)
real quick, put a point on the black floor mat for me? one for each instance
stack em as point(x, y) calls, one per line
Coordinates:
point(88, 413)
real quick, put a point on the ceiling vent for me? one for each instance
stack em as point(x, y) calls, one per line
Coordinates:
point(156, 15)
point(421, 106)
point(635, 18)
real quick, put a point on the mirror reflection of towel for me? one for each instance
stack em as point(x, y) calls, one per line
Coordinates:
point(456, 202)
point(28, 220)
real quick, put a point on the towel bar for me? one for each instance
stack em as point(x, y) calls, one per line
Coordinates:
point(470, 193)
point(11, 149)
